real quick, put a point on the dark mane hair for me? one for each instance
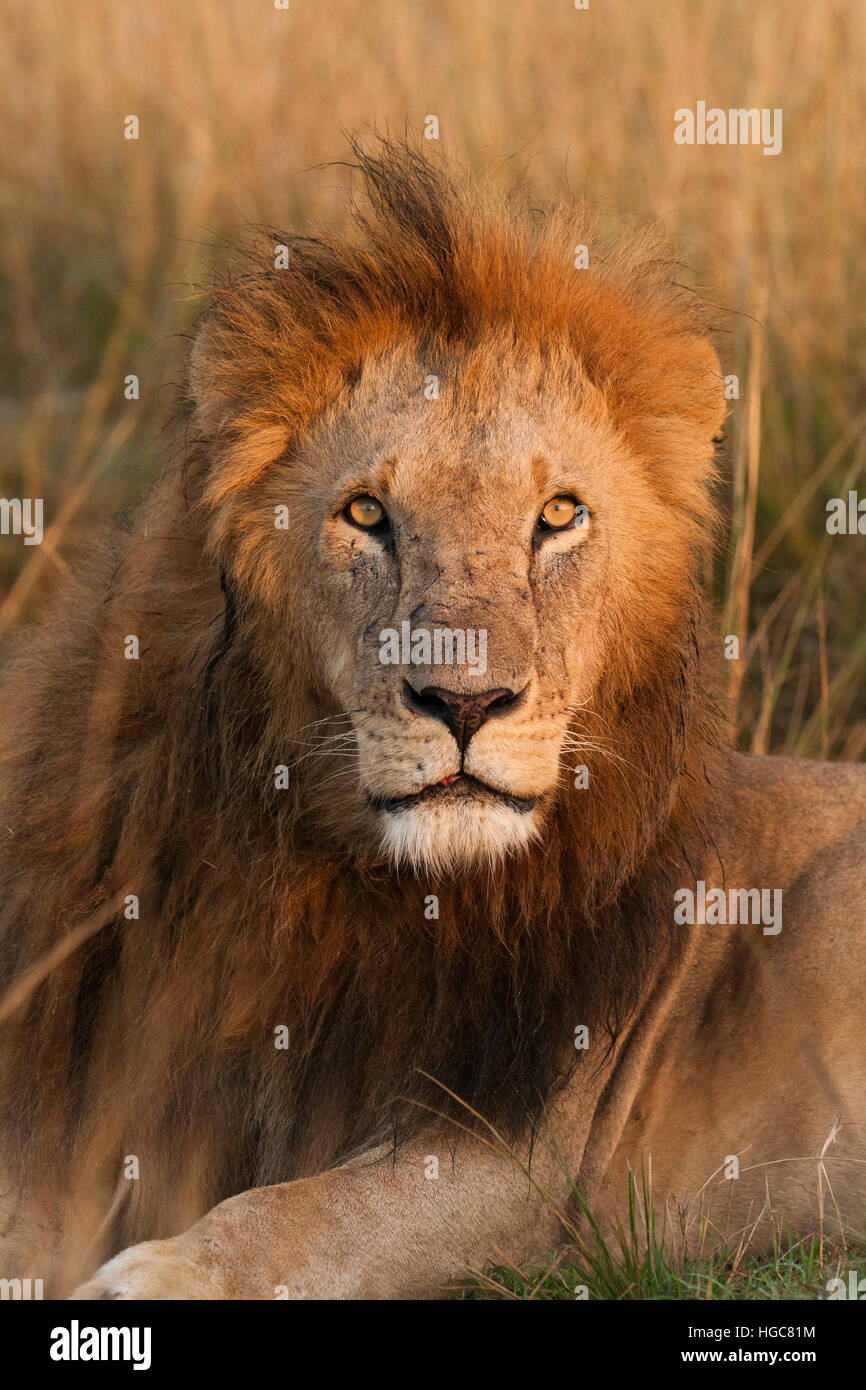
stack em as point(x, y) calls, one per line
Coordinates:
point(154, 1035)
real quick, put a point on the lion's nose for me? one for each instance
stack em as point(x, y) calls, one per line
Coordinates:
point(462, 714)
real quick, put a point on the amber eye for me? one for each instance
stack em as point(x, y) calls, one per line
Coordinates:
point(559, 512)
point(365, 512)
point(562, 513)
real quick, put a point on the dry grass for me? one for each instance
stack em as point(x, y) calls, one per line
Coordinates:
point(101, 236)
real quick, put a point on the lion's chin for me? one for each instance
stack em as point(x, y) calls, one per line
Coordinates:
point(447, 837)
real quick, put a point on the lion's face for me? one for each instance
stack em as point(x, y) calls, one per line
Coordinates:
point(470, 559)
point(493, 467)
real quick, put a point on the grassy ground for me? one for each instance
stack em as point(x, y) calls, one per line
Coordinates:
point(645, 1262)
point(103, 241)
point(795, 1272)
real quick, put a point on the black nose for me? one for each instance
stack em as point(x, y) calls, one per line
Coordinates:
point(463, 714)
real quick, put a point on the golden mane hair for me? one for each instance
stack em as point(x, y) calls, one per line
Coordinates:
point(154, 1036)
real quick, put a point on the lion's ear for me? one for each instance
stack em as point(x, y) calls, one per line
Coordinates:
point(248, 426)
point(211, 385)
point(700, 386)
point(674, 408)
point(665, 376)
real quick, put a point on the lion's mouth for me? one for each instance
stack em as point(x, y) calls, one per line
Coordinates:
point(454, 788)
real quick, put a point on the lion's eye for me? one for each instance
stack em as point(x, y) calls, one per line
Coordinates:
point(365, 512)
point(562, 514)
point(559, 512)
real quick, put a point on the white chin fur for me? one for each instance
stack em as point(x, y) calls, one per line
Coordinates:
point(447, 838)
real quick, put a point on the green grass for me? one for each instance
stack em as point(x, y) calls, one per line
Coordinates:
point(793, 1272)
point(643, 1263)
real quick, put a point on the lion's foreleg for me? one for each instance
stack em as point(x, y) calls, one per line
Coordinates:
point(395, 1227)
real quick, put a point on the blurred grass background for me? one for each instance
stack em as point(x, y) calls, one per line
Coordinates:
point(101, 239)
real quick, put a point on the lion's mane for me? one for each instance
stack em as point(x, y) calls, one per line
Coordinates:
point(154, 1036)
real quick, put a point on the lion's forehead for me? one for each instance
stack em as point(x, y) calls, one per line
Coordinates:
point(426, 439)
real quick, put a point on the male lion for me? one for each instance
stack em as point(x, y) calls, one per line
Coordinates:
point(293, 909)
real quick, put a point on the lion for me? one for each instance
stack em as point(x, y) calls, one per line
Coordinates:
point(378, 868)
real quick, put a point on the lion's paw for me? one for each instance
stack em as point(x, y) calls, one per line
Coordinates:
point(155, 1269)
